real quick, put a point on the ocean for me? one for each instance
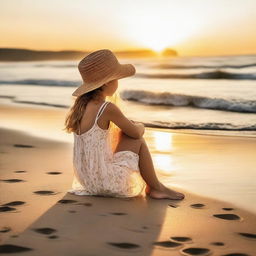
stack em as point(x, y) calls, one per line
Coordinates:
point(209, 95)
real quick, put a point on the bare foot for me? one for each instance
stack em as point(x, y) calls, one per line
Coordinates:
point(164, 193)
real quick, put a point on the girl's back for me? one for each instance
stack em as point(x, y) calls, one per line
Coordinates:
point(97, 170)
point(89, 116)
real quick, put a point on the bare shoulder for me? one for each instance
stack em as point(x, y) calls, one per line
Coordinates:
point(112, 108)
point(115, 115)
point(113, 111)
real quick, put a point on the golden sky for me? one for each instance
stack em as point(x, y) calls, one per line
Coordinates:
point(191, 27)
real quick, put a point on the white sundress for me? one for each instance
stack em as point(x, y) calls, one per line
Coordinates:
point(100, 171)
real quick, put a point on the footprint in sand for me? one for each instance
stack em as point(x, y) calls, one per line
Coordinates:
point(236, 254)
point(181, 239)
point(228, 209)
point(168, 244)
point(45, 192)
point(5, 229)
point(227, 216)
point(124, 245)
point(20, 171)
point(45, 231)
point(173, 205)
point(13, 180)
point(54, 173)
point(10, 248)
point(22, 146)
point(218, 243)
point(197, 206)
point(72, 211)
point(248, 235)
point(14, 203)
point(195, 251)
point(7, 209)
point(53, 237)
point(66, 201)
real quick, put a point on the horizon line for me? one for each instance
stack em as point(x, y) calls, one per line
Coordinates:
point(127, 50)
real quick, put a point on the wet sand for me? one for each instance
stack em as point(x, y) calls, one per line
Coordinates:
point(198, 163)
point(38, 216)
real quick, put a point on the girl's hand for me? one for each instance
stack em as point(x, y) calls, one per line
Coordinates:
point(135, 122)
point(141, 127)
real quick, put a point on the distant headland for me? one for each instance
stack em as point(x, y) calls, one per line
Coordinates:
point(18, 54)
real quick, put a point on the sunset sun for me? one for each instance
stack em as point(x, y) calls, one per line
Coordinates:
point(162, 30)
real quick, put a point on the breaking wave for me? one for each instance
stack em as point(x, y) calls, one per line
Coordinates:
point(217, 74)
point(43, 82)
point(173, 99)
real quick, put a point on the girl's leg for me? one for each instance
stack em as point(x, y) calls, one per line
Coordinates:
point(145, 161)
point(154, 187)
point(147, 169)
point(148, 173)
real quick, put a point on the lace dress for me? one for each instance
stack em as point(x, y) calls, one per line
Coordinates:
point(100, 171)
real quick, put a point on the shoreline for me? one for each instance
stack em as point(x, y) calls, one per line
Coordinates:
point(199, 163)
point(8, 103)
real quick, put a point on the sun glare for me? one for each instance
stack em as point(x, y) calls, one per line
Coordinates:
point(162, 30)
point(162, 141)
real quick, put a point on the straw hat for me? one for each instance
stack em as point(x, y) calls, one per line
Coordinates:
point(100, 67)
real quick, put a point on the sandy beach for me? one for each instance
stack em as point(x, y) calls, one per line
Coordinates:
point(38, 216)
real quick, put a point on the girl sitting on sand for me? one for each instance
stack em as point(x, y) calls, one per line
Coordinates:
point(110, 155)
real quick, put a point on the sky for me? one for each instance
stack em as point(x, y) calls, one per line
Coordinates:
point(191, 27)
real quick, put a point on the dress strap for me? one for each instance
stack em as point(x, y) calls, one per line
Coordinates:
point(79, 128)
point(102, 107)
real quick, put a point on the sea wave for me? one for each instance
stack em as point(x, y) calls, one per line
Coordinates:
point(201, 126)
point(56, 65)
point(217, 74)
point(13, 99)
point(174, 99)
point(217, 126)
point(17, 65)
point(73, 83)
point(43, 82)
point(171, 66)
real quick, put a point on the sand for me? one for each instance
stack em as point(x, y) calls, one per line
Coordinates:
point(41, 218)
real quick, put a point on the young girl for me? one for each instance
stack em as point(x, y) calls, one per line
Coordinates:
point(110, 155)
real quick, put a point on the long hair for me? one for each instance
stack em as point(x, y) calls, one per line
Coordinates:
point(76, 111)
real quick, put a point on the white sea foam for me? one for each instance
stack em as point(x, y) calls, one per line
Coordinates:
point(167, 98)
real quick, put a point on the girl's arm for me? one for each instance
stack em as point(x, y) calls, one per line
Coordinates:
point(114, 114)
point(140, 125)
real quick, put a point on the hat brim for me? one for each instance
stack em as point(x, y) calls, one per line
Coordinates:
point(83, 88)
point(125, 70)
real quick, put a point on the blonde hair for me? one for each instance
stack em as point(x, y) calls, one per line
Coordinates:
point(76, 111)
